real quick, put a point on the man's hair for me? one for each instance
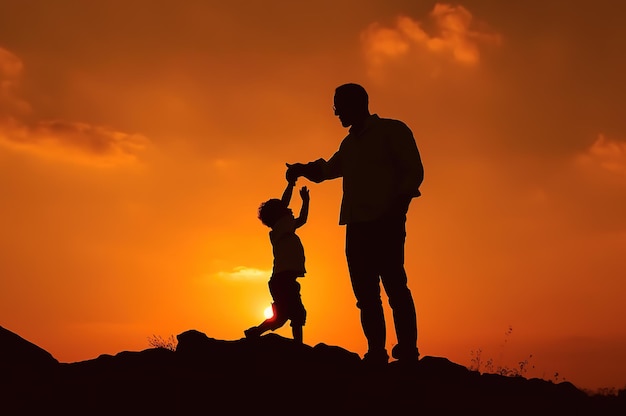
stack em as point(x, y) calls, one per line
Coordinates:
point(271, 210)
point(355, 94)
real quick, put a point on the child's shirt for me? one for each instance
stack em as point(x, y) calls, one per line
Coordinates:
point(287, 247)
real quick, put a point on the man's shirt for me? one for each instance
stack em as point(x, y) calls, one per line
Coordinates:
point(378, 165)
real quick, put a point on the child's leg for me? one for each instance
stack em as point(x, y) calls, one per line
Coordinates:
point(270, 324)
point(286, 293)
point(297, 312)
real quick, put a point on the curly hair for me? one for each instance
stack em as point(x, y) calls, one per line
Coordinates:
point(271, 210)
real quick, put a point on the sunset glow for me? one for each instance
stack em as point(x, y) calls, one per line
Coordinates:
point(138, 138)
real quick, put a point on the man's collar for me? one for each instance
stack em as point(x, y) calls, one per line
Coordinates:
point(371, 119)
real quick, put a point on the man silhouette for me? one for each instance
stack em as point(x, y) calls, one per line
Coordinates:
point(382, 170)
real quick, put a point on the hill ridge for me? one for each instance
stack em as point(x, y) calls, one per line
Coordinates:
point(270, 375)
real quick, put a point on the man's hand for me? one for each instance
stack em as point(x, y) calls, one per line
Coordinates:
point(304, 194)
point(293, 172)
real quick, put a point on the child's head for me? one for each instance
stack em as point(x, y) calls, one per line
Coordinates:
point(272, 210)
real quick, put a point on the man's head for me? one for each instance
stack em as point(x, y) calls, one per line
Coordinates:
point(351, 104)
point(272, 210)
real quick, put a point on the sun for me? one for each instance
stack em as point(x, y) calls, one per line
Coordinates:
point(268, 312)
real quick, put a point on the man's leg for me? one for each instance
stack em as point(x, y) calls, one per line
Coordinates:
point(296, 331)
point(393, 275)
point(360, 254)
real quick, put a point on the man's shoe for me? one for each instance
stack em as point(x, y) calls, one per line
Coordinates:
point(375, 359)
point(405, 355)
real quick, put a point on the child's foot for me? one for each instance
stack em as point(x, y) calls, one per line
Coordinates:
point(252, 332)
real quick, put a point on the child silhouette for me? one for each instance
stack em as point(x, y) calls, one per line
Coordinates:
point(288, 263)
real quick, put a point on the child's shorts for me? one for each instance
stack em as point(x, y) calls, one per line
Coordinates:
point(285, 291)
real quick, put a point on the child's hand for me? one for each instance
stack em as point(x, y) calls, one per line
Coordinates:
point(304, 193)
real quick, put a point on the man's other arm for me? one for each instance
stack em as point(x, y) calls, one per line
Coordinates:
point(408, 160)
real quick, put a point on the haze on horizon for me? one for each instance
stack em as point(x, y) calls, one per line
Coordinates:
point(138, 138)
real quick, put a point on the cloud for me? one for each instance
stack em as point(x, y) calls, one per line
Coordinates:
point(606, 154)
point(455, 36)
point(57, 138)
point(242, 272)
point(73, 140)
point(10, 75)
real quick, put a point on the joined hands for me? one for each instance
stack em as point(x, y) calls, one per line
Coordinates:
point(293, 172)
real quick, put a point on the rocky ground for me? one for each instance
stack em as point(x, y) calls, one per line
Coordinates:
point(269, 376)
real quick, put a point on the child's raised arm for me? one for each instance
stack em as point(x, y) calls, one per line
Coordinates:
point(287, 193)
point(304, 211)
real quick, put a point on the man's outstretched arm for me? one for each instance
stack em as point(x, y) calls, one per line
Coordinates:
point(316, 171)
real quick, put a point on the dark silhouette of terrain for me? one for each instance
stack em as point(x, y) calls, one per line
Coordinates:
point(270, 375)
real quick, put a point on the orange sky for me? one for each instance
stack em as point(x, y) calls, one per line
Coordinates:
point(137, 139)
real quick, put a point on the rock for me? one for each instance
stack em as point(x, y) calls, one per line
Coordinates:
point(20, 358)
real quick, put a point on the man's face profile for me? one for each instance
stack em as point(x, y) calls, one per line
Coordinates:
point(344, 109)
